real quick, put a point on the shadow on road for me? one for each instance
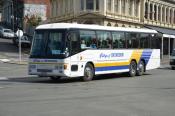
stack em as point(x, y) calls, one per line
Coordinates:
point(165, 68)
point(46, 80)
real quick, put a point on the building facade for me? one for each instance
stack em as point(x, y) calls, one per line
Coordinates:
point(102, 12)
point(0, 10)
point(126, 13)
point(154, 14)
point(15, 13)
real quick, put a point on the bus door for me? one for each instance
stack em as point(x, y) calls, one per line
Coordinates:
point(74, 46)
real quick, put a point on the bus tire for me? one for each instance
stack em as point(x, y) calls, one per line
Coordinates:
point(88, 72)
point(55, 78)
point(173, 68)
point(132, 68)
point(141, 67)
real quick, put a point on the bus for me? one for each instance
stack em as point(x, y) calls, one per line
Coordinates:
point(80, 50)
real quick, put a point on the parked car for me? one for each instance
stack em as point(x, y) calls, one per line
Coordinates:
point(26, 40)
point(172, 60)
point(6, 33)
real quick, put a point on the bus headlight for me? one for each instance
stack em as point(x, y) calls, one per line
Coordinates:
point(61, 67)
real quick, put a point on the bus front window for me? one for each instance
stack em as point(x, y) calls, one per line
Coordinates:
point(55, 45)
point(49, 44)
point(38, 44)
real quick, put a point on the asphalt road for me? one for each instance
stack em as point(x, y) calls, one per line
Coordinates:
point(152, 94)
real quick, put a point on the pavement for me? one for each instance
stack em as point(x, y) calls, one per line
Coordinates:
point(9, 53)
point(14, 58)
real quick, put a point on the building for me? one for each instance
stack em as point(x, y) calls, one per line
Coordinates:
point(154, 14)
point(17, 13)
point(0, 10)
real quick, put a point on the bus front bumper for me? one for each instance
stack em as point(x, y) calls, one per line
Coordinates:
point(47, 71)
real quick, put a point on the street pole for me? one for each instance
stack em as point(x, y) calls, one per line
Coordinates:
point(13, 16)
point(19, 45)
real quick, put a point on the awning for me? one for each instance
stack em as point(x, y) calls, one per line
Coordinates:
point(169, 33)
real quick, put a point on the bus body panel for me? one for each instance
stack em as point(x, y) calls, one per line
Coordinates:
point(104, 62)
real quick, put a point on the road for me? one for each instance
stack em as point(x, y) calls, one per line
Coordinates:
point(115, 95)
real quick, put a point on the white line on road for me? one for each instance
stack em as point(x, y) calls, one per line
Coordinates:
point(4, 60)
point(3, 78)
point(1, 87)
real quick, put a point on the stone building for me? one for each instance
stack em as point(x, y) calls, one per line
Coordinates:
point(154, 14)
point(0, 10)
point(16, 12)
point(126, 13)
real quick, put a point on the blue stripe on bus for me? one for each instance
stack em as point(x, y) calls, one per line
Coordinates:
point(111, 68)
point(146, 55)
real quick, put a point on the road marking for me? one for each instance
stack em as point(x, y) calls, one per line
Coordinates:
point(3, 78)
point(1, 87)
point(4, 60)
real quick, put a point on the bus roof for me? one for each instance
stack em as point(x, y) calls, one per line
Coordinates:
point(93, 27)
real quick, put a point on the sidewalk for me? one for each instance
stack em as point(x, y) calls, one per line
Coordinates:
point(13, 58)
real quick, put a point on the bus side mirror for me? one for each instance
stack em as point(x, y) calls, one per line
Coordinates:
point(66, 52)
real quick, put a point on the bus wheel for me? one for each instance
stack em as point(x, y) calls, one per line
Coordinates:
point(141, 67)
point(54, 78)
point(88, 72)
point(132, 69)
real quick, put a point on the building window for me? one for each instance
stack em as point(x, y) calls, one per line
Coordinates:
point(89, 4)
point(123, 6)
point(159, 13)
point(163, 14)
point(71, 5)
point(97, 4)
point(136, 7)
point(151, 11)
point(171, 16)
point(116, 6)
point(82, 4)
point(146, 10)
point(66, 4)
point(109, 5)
point(167, 13)
point(130, 6)
point(155, 12)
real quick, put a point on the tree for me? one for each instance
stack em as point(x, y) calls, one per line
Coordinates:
point(33, 20)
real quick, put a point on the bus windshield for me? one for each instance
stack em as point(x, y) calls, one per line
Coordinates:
point(48, 44)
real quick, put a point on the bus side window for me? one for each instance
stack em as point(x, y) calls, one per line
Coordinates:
point(144, 40)
point(104, 39)
point(132, 40)
point(118, 40)
point(88, 39)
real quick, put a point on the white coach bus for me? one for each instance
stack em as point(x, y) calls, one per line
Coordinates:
point(78, 50)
